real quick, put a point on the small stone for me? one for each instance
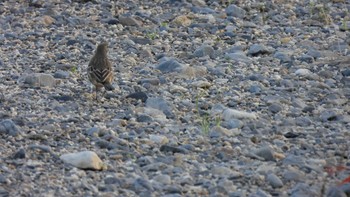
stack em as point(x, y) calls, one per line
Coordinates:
point(328, 116)
point(232, 113)
point(201, 84)
point(258, 49)
point(275, 108)
point(128, 20)
point(302, 72)
point(204, 50)
point(163, 178)
point(38, 80)
point(160, 104)
point(60, 74)
point(166, 148)
point(48, 20)
point(144, 118)
point(182, 20)
point(20, 154)
point(9, 127)
point(225, 171)
point(171, 65)
point(292, 175)
point(283, 57)
point(84, 160)
point(233, 10)
point(159, 139)
point(138, 96)
point(266, 152)
point(274, 181)
point(239, 56)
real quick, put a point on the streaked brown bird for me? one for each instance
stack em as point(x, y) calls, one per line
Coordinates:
point(100, 70)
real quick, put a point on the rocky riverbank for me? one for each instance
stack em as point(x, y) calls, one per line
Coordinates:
point(213, 98)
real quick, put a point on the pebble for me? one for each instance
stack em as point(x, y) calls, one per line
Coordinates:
point(274, 181)
point(266, 152)
point(9, 127)
point(171, 65)
point(204, 50)
point(233, 10)
point(160, 104)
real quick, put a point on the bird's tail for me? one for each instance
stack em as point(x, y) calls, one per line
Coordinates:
point(109, 87)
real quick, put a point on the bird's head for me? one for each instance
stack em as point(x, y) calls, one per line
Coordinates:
point(102, 48)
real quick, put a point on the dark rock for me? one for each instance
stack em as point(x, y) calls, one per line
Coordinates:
point(20, 154)
point(138, 96)
point(166, 148)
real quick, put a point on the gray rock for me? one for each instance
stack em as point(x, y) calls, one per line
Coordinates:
point(306, 58)
point(38, 80)
point(239, 57)
point(171, 65)
point(283, 57)
point(141, 184)
point(303, 121)
point(224, 171)
point(260, 193)
point(9, 127)
point(258, 49)
point(275, 107)
point(128, 20)
point(335, 192)
point(274, 181)
point(314, 53)
point(204, 50)
point(163, 179)
point(20, 154)
point(233, 10)
point(232, 124)
point(292, 175)
point(160, 104)
point(60, 74)
point(265, 152)
point(93, 131)
point(138, 96)
point(328, 116)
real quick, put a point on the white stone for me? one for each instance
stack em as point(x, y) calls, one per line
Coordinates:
point(83, 160)
point(232, 113)
point(302, 72)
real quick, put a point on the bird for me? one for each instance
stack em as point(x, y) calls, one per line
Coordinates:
point(100, 70)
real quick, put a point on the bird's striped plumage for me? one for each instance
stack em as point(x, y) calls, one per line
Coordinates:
point(100, 69)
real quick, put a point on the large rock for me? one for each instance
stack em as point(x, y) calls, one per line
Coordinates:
point(38, 80)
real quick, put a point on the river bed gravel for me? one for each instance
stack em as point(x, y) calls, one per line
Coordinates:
point(213, 98)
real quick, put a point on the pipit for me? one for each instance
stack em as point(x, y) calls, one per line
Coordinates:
point(100, 69)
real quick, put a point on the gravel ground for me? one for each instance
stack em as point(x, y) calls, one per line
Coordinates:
point(213, 98)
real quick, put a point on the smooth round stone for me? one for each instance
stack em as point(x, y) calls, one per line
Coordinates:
point(163, 178)
point(275, 107)
point(274, 181)
point(266, 152)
